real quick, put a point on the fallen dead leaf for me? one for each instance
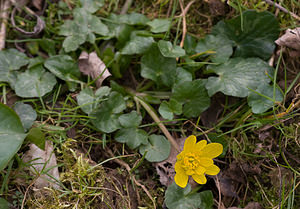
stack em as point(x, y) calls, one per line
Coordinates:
point(165, 169)
point(92, 65)
point(42, 161)
point(37, 4)
point(250, 205)
point(291, 39)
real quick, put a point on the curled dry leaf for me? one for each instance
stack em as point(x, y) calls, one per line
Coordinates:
point(43, 162)
point(291, 39)
point(92, 65)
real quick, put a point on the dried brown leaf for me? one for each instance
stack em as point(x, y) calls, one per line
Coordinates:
point(43, 161)
point(92, 65)
point(37, 4)
point(290, 39)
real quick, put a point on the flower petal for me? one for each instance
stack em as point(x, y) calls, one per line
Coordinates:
point(178, 167)
point(200, 170)
point(200, 179)
point(212, 150)
point(212, 170)
point(189, 143)
point(200, 145)
point(205, 162)
point(181, 179)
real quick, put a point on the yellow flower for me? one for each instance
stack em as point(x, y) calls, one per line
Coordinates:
point(196, 160)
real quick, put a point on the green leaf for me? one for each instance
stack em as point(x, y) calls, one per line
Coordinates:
point(133, 137)
point(237, 76)
point(106, 117)
point(159, 25)
point(168, 50)
point(34, 82)
point(4, 204)
point(258, 100)
point(82, 28)
point(193, 96)
point(182, 75)
point(11, 135)
point(130, 120)
point(26, 114)
point(37, 137)
point(221, 46)
point(254, 37)
point(11, 60)
point(190, 44)
point(158, 68)
point(167, 109)
point(133, 19)
point(179, 198)
point(92, 5)
point(137, 44)
point(158, 148)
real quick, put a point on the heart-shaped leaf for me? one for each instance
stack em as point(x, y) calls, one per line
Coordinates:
point(11, 135)
point(106, 117)
point(218, 46)
point(26, 113)
point(157, 67)
point(167, 109)
point(237, 76)
point(193, 96)
point(130, 120)
point(254, 33)
point(11, 60)
point(262, 99)
point(159, 25)
point(158, 148)
point(34, 82)
point(168, 50)
point(179, 198)
point(89, 101)
point(137, 44)
point(64, 67)
point(133, 137)
point(92, 5)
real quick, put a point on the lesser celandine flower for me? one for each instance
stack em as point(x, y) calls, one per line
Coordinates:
point(196, 160)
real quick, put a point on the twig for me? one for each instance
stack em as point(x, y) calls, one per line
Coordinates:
point(282, 9)
point(126, 6)
point(183, 14)
point(4, 16)
point(159, 123)
point(127, 167)
point(219, 190)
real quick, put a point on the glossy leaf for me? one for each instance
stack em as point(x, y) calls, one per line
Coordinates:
point(34, 82)
point(254, 37)
point(11, 135)
point(158, 68)
point(159, 25)
point(168, 109)
point(82, 28)
point(26, 114)
point(218, 46)
point(132, 119)
point(92, 5)
point(137, 44)
point(168, 50)
point(261, 100)
point(193, 96)
point(37, 137)
point(64, 67)
point(11, 60)
point(133, 137)
point(158, 148)
point(237, 76)
point(106, 117)
point(178, 198)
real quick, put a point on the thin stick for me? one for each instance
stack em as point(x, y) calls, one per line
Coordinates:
point(183, 14)
point(4, 16)
point(125, 7)
point(159, 123)
point(127, 167)
point(282, 9)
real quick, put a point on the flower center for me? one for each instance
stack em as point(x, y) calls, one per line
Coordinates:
point(190, 161)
